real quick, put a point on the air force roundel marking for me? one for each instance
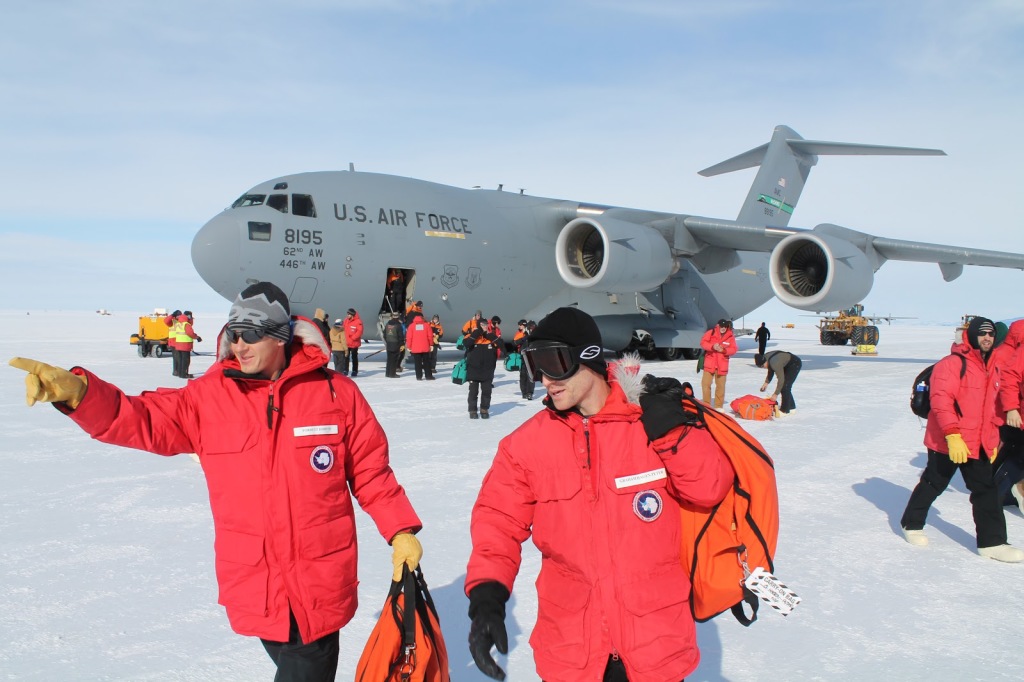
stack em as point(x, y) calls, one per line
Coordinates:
point(590, 352)
point(647, 505)
point(322, 459)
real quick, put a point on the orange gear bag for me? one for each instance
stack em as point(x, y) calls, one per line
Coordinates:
point(406, 644)
point(754, 407)
point(722, 545)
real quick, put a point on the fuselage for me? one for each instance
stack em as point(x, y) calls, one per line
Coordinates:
point(334, 239)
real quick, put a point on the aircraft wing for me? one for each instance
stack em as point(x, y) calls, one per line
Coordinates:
point(951, 259)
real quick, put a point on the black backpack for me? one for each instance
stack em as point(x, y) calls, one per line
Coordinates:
point(920, 394)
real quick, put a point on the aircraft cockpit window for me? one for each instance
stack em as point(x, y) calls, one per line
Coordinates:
point(302, 204)
point(259, 232)
point(249, 200)
point(278, 201)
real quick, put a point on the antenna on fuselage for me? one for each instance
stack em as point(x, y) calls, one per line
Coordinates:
point(351, 167)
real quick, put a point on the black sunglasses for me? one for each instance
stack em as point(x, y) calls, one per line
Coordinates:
point(247, 335)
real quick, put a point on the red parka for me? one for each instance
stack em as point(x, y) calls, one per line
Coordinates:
point(354, 331)
point(974, 395)
point(717, 362)
point(601, 506)
point(1008, 359)
point(280, 458)
point(419, 337)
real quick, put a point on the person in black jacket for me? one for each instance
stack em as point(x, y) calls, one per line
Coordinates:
point(481, 360)
point(394, 344)
point(762, 335)
point(784, 367)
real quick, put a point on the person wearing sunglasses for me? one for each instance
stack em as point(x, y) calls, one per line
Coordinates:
point(962, 435)
point(282, 440)
point(597, 480)
point(718, 344)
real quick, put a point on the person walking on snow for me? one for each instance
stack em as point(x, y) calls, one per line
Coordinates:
point(282, 441)
point(596, 480)
point(961, 435)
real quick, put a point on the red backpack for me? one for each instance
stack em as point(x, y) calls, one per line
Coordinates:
point(723, 545)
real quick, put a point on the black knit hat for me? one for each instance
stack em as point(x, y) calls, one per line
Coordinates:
point(976, 326)
point(262, 306)
point(576, 329)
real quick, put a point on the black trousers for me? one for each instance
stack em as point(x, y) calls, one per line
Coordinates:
point(175, 362)
point(339, 361)
point(391, 369)
point(526, 384)
point(298, 662)
point(790, 371)
point(352, 355)
point(183, 363)
point(1010, 463)
point(421, 361)
point(483, 388)
point(989, 522)
point(616, 671)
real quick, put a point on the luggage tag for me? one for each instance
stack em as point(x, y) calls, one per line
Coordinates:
point(771, 591)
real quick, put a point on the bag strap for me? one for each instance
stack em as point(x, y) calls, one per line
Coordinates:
point(406, 622)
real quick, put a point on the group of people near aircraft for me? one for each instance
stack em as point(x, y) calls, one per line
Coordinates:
point(285, 532)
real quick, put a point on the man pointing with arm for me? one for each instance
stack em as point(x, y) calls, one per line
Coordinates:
point(284, 443)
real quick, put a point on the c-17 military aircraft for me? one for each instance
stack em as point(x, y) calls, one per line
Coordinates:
point(654, 281)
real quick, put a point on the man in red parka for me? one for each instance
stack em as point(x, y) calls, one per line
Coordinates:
point(282, 440)
point(596, 480)
point(354, 338)
point(719, 345)
point(419, 340)
point(962, 436)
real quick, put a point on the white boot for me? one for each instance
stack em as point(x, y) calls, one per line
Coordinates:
point(1015, 491)
point(1010, 555)
point(916, 537)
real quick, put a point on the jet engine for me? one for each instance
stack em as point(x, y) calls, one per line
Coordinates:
point(815, 271)
point(613, 255)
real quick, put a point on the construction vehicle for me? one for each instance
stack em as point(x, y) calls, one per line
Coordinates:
point(965, 320)
point(848, 325)
point(153, 334)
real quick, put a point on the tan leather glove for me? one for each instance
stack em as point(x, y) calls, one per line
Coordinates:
point(49, 384)
point(405, 549)
point(958, 450)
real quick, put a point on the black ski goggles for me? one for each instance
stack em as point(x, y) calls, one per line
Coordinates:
point(249, 335)
point(553, 359)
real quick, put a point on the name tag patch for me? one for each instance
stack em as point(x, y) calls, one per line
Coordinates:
point(637, 479)
point(321, 430)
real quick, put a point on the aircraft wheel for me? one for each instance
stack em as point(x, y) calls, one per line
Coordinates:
point(648, 353)
point(669, 353)
point(691, 353)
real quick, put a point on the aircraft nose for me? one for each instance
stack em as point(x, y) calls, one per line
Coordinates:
point(216, 255)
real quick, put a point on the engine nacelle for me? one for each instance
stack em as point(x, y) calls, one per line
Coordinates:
point(814, 271)
point(613, 255)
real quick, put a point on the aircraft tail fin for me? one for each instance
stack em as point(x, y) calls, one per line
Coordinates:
point(785, 162)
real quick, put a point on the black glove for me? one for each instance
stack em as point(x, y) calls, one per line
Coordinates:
point(662, 403)
point(487, 610)
point(199, 339)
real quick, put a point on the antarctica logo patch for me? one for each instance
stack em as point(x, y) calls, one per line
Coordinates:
point(647, 505)
point(322, 459)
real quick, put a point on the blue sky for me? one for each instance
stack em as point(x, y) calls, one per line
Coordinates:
point(127, 125)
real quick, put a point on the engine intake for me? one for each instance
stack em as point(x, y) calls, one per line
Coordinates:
point(813, 271)
point(613, 255)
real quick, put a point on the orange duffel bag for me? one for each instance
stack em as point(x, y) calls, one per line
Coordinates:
point(754, 407)
point(406, 645)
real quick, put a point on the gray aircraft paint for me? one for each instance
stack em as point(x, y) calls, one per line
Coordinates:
point(495, 251)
